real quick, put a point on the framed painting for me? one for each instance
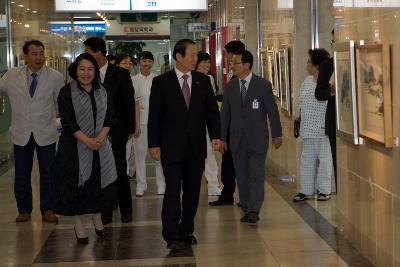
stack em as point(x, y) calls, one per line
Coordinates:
point(269, 69)
point(284, 80)
point(374, 93)
point(346, 95)
point(273, 72)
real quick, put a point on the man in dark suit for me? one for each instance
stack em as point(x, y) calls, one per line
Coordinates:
point(182, 104)
point(118, 81)
point(247, 107)
point(323, 92)
point(227, 168)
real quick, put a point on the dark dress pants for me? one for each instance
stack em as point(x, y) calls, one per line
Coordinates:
point(23, 156)
point(332, 141)
point(178, 218)
point(250, 171)
point(227, 176)
point(124, 186)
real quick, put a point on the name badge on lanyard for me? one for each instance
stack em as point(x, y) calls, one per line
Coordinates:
point(256, 105)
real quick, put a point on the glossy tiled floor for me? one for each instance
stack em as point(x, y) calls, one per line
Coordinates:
point(288, 235)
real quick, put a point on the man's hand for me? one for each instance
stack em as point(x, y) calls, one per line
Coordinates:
point(93, 143)
point(155, 153)
point(224, 147)
point(130, 136)
point(216, 144)
point(277, 142)
point(333, 89)
point(137, 133)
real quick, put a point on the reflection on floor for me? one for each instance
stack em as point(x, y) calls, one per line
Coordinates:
point(288, 235)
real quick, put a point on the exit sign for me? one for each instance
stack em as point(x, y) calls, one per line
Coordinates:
point(136, 17)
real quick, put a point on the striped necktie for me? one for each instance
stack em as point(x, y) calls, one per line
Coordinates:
point(186, 90)
point(243, 91)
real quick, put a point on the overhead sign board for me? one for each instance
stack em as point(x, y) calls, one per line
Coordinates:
point(89, 27)
point(199, 27)
point(130, 5)
point(366, 3)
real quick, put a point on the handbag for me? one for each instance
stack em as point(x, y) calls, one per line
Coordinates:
point(297, 123)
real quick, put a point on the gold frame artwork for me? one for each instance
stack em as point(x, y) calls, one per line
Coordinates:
point(269, 69)
point(374, 94)
point(284, 80)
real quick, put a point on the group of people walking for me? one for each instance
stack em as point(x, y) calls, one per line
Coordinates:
point(109, 117)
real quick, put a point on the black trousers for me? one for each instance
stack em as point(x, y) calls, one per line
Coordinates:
point(332, 141)
point(228, 175)
point(178, 217)
point(124, 186)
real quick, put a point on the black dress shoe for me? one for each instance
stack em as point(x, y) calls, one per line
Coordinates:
point(127, 218)
point(189, 239)
point(175, 245)
point(245, 218)
point(253, 217)
point(81, 240)
point(220, 202)
point(100, 233)
point(106, 218)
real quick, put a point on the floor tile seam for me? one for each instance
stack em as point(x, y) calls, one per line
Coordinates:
point(276, 186)
point(169, 261)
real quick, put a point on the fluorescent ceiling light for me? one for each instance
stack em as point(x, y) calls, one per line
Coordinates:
point(82, 17)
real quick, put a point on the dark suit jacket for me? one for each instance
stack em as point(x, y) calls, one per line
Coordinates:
point(251, 120)
point(119, 83)
point(323, 93)
point(171, 126)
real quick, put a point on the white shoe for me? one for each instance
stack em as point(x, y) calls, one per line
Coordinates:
point(139, 192)
point(161, 190)
point(214, 192)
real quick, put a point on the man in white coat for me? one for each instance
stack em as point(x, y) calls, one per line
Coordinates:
point(33, 90)
point(142, 83)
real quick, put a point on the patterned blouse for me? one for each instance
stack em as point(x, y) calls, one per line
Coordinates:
point(312, 111)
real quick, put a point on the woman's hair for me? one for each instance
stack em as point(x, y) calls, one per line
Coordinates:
point(317, 56)
point(202, 56)
point(72, 69)
point(121, 57)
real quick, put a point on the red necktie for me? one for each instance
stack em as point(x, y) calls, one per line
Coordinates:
point(186, 90)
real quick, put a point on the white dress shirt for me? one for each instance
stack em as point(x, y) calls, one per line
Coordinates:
point(179, 74)
point(247, 79)
point(142, 85)
point(30, 78)
point(33, 115)
point(103, 71)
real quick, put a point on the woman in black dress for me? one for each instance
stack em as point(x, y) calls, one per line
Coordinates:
point(85, 167)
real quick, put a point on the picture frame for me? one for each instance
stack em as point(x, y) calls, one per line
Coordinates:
point(273, 71)
point(269, 68)
point(346, 94)
point(374, 95)
point(284, 80)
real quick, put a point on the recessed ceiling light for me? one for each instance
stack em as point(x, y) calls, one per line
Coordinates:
point(34, 11)
point(21, 5)
point(27, 26)
point(12, 2)
point(28, 9)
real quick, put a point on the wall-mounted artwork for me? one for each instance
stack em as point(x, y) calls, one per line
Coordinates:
point(374, 93)
point(284, 79)
point(273, 72)
point(270, 69)
point(346, 95)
